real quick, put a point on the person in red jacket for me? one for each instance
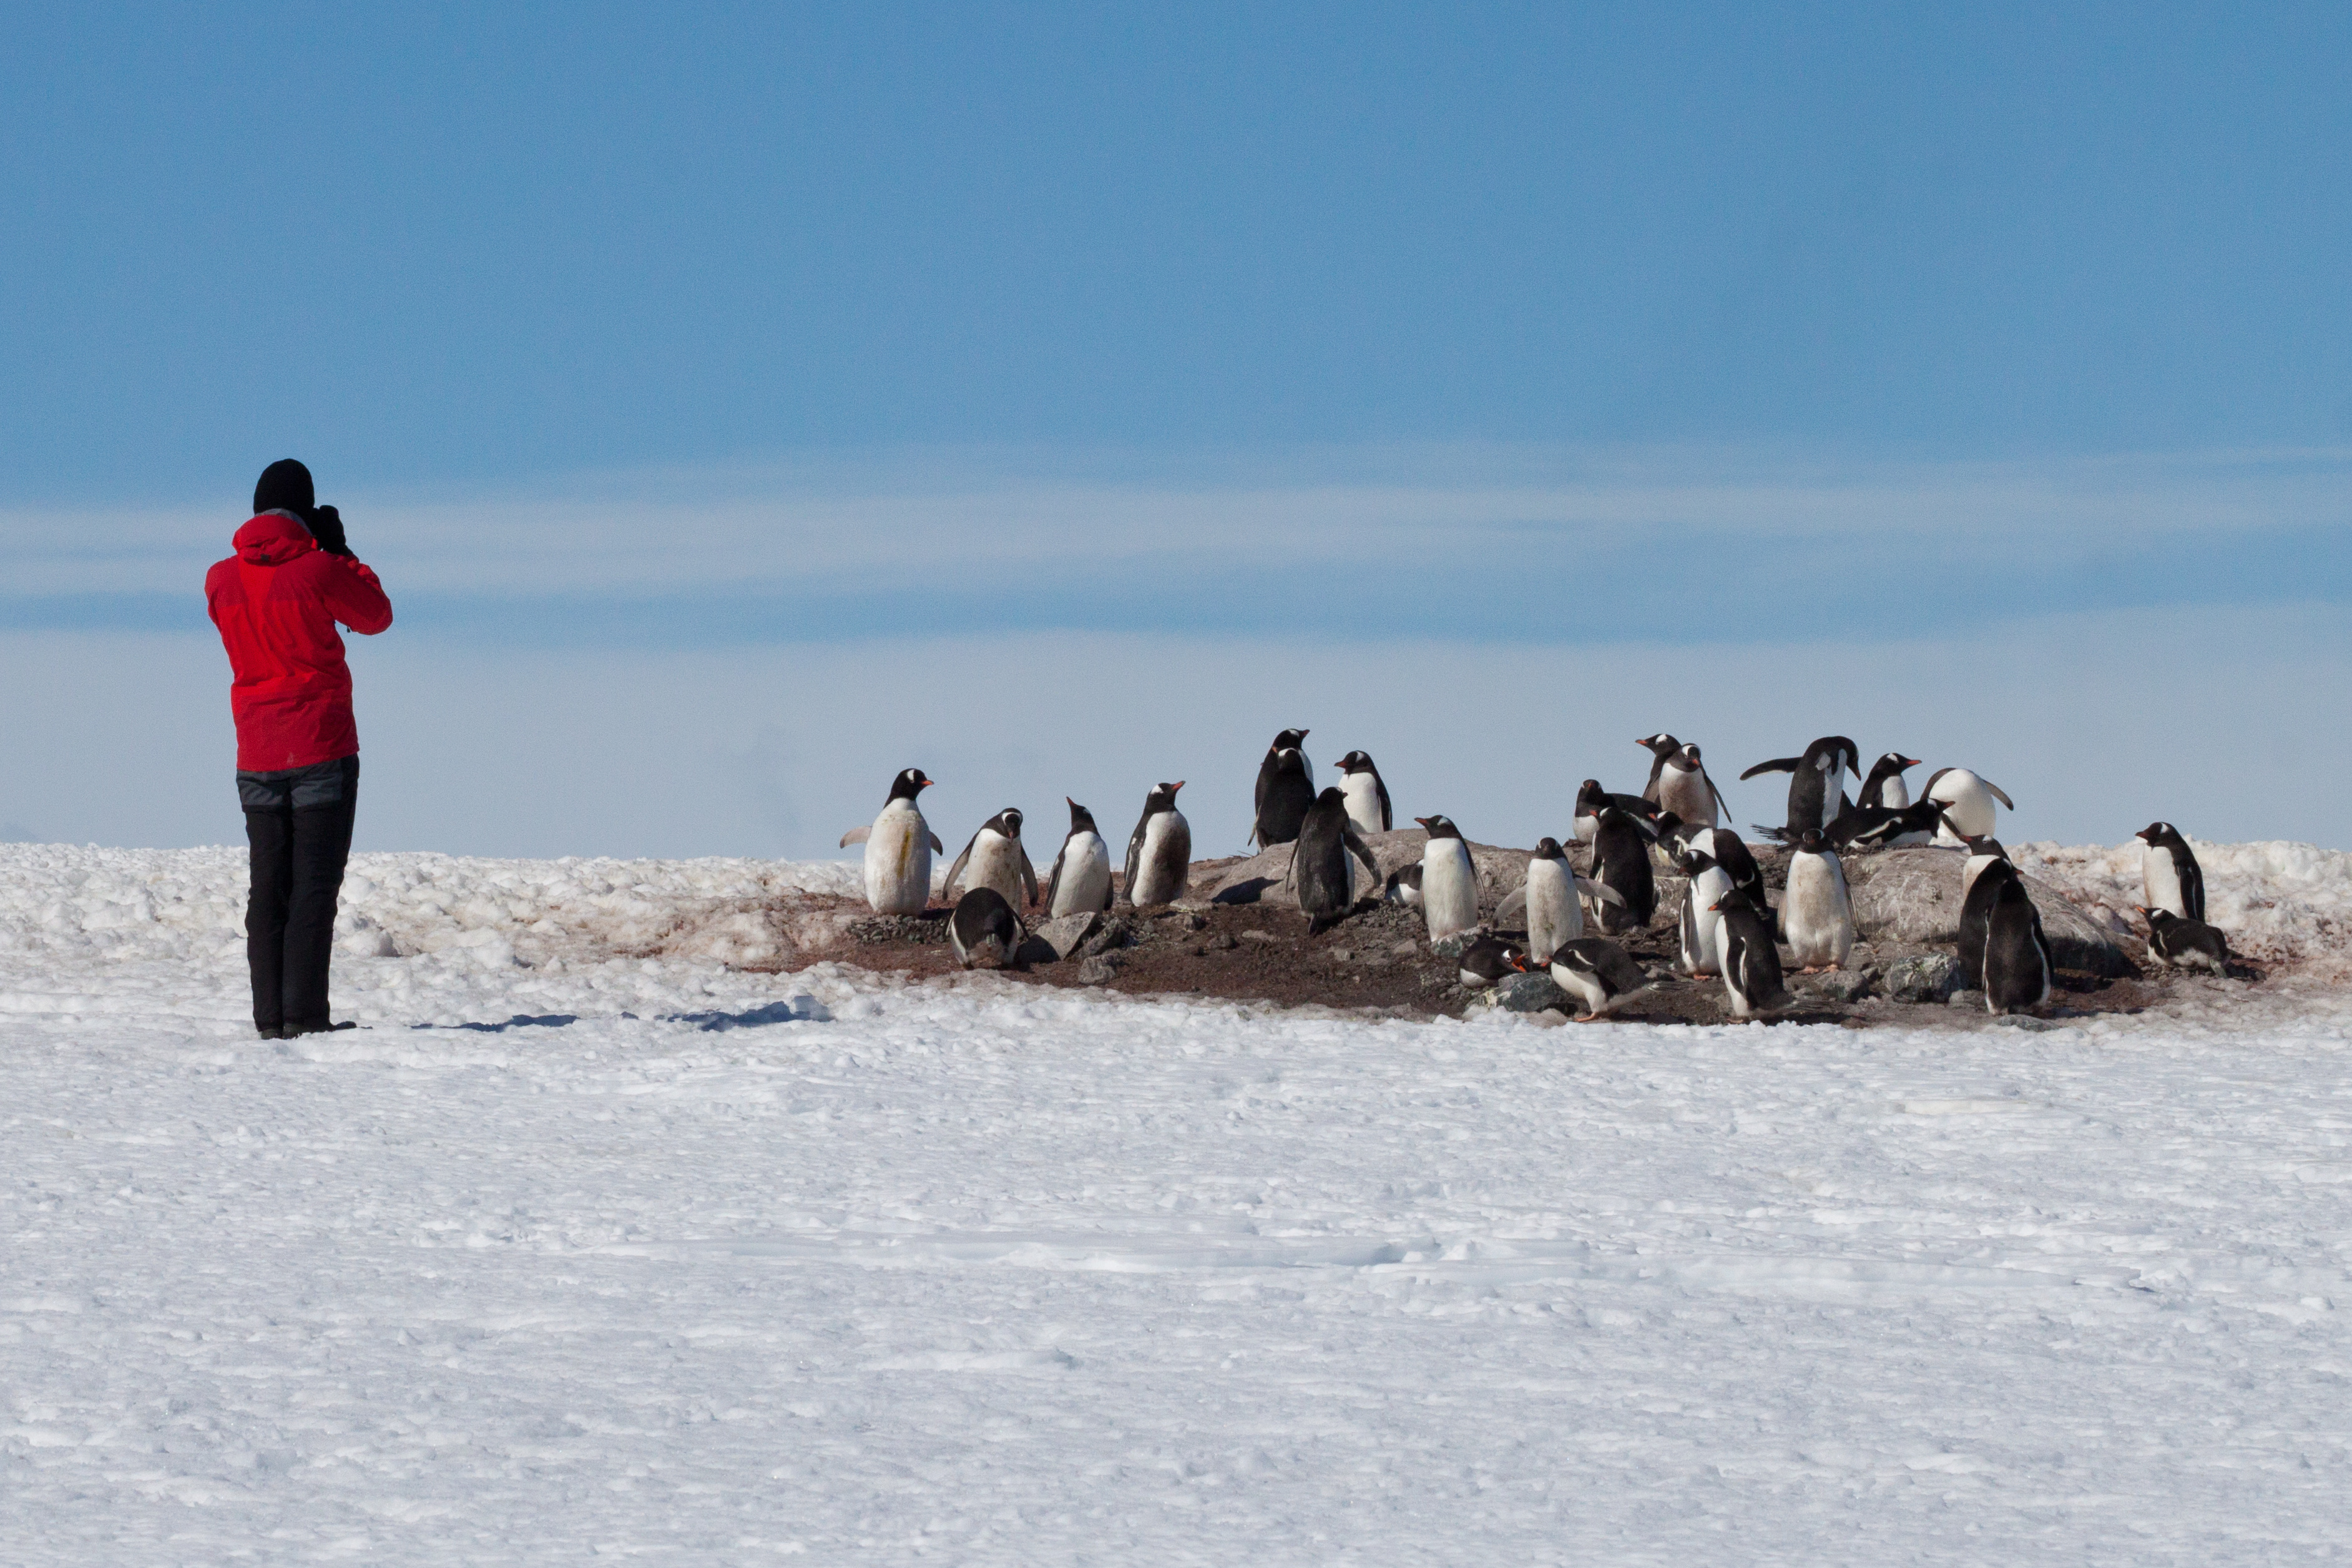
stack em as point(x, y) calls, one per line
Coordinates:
point(277, 602)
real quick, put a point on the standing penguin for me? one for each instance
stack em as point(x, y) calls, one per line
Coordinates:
point(1449, 882)
point(1967, 802)
point(1684, 789)
point(1283, 798)
point(998, 859)
point(899, 847)
point(1817, 912)
point(1080, 881)
point(2168, 869)
point(1885, 786)
point(1599, 974)
point(983, 930)
point(1549, 898)
point(1817, 794)
point(1160, 855)
point(1621, 861)
point(2017, 969)
point(1729, 850)
point(2179, 944)
point(1982, 876)
point(1318, 862)
point(1751, 965)
point(1660, 746)
point(1367, 796)
point(1288, 740)
point(1701, 928)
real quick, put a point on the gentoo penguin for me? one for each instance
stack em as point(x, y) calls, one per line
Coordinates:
point(2017, 955)
point(984, 932)
point(1591, 800)
point(2179, 944)
point(1885, 826)
point(1367, 796)
point(1701, 927)
point(1160, 855)
point(1817, 912)
point(1080, 882)
point(1599, 974)
point(1449, 882)
point(1621, 861)
point(1405, 886)
point(1487, 960)
point(1885, 786)
point(1318, 860)
point(1549, 899)
point(1282, 796)
point(997, 858)
point(1729, 850)
point(1981, 875)
point(1751, 965)
point(1684, 789)
point(1968, 802)
point(1288, 740)
point(898, 848)
point(2169, 867)
point(1660, 746)
point(1817, 791)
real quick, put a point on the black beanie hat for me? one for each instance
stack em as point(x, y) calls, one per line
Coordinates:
point(285, 485)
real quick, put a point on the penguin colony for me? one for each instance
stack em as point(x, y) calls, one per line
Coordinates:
point(1727, 930)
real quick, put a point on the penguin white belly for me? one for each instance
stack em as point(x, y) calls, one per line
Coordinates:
point(1816, 911)
point(1895, 793)
point(1449, 888)
point(1684, 791)
point(1362, 792)
point(898, 861)
point(1085, 876)
point(1555, 914)
point(1584, 987)
point(1971, 870)
point(1160, 871)
point(996, 863)
point(1703, 951)
point(1586, 826)
point(2163, 879)
point(1967, 803)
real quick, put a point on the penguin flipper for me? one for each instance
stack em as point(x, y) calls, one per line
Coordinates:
point(1028, 876)
point(1387, 814)
point(1600, 892)
point(1054, 878)
point(947, 888)
point(858, 836)
point(1721, 804)
point(937, 847)
point(1999, 794)
point(1514, 902)
point(1357, 847)
point(1777, 765)
point(1930, 784)
point(1134, 857)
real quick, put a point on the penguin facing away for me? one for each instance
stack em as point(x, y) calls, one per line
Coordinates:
point(1817, 912)
point(1817, 785)
point(1367, 796)
point(898, 848)
point(1599, 974)
point(1700, 928)
point(2017, 968)
point(1449, 881)
point(2179, 944)
point(1283, 798)
point(1159, 852)
point(1885, 786)
point(997, 858)
point(983, 930)
point(1968, 802)
point(2169, 872)
point(1982, 876)
point(1288, 740)
point(1983, 850)
point(1621, 861)
point(1079, 882)
point(1751, 963)
point(1318, 860)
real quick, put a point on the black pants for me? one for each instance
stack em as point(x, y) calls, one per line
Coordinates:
point(300, 824)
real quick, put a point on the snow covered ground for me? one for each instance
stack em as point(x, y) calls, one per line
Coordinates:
point(589, 1243)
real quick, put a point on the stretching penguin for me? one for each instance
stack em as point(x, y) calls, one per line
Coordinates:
point(997, 860)
point(1817, 912)
point(1751, 965)
point(1621, 861)
point(1684, 789)
point(1160, 855)
point(1982, 876)
point(899, 847)
point(1701, 927)
point(1449, 882)
point(1885, 826)
point(1817, 791)
point(1283, 798)
point(1288, 740)
point(1885, 786)
point(1080, 881)
point(2017, 969)
point(2169, 867)
point(1660, 746)
point(984, 932)
point(1591, 800)
point(1599, 974)
point(1549, 898)
point(1367, 796)
point(2179, 944)
point(1319, 871)
point(1968, 802)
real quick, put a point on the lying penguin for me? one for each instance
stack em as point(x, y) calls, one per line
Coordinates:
point(2179, 944)
point(1885, 826)
point(1599, 974)
point(1487, 960)
point(983, 930)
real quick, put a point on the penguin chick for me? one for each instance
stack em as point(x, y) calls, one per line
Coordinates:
point(1817, 912)
point(2179, 944)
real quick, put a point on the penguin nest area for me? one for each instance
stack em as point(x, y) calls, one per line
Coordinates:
point(1239, 936)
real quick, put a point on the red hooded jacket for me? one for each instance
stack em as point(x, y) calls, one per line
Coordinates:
point(276, 602)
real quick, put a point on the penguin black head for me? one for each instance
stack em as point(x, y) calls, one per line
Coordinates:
point(1006, 822)
point(1332, 800)
point(1893, 763)
point(1986, 844)
point(1081, 819)
point(1810, 841)
point(1356, 762)
point(1590, 798)
point(1660, 745)
point(1162, 798)
point(1695, 863)
point(2156, 918)
point(909, 784)
point(2159, 833)
point(1690, 755)
point(1438, 827)
point(1734, 900)
point(1288, 739)
point(1290, 759)
point(1548, 849)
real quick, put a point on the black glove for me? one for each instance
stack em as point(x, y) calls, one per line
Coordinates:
point(327, 527)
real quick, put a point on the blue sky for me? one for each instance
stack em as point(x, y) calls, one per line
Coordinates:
point(629, 334)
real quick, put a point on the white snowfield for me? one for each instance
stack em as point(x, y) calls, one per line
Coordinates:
point(575, 1251)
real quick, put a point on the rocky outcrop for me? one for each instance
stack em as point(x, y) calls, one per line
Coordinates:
point(1263, 877)
point(1913, 896)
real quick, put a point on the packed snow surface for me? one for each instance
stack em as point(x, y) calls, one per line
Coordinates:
point(587, 1243)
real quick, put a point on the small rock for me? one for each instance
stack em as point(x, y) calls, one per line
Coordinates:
point(1342, 954)
point(1258, 936)
point(1066, 934)
point(1405, 949)
point(1195, 921)
point(1118, 932)
point(1099, 969)
point(1224, 942)
point(1930, 977)
point(2027, 1022)
point(1529, 993)
point(1966, 999)
point(1452, 946)
point(1844, 984)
